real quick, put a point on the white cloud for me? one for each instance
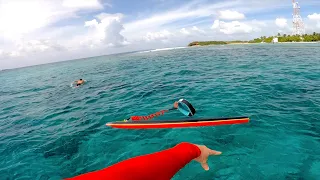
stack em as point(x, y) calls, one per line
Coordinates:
point(184, 31)
point(93, 22)
point(24, 48)
point(94, 4)
point(14, 54)
point(281, 22)
point(314, 16)
point(35, 46)
point(259, 23)
point(216, 24)
point(230, 15)
point(25, 24)
point(233, 27)
point(196, 29)
point(107, 4)
point(23, 16)
point(26, 27)
point(27, 48)
point(173, 35)
point(191, 10)
point(160, 35)
point(105, 32)
point(195, 10)
point(20, 17)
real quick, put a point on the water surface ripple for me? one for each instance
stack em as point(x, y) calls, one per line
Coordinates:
point(49, 130)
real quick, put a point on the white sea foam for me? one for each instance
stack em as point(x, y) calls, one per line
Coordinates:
point(162, 49)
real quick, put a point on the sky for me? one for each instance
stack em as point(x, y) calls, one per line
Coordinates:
point(43, 31)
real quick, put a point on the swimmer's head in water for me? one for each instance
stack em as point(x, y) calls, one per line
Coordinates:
point(80, 79)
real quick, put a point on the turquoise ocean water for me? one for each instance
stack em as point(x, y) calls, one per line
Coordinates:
point(49, 130)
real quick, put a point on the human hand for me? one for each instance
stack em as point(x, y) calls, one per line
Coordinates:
point(205, 153)
point(175, 104)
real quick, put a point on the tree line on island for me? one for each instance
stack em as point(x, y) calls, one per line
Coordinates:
point(263, 39)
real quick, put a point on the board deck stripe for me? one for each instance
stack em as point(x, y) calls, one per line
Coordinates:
point(178, 123)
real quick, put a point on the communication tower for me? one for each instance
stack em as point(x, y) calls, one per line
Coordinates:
point(298, 26)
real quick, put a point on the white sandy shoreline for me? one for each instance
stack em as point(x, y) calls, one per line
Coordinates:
point(280, 43)
point(258, 43)
point(299, 42)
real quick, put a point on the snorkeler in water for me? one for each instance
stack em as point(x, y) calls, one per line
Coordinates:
point(79, 82)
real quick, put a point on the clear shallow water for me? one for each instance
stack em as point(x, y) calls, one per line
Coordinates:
point(49, 130)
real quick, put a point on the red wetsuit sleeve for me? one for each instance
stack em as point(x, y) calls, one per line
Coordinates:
point(161, 165)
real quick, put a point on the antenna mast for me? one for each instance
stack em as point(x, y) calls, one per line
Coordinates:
point(298, 26)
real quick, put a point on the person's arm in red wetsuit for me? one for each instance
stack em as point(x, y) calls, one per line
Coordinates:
point(161, 165)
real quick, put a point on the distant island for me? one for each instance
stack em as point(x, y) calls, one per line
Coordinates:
point(206, 43)
point(315, 37)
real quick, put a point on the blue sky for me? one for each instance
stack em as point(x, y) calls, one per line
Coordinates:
point(42, 31)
